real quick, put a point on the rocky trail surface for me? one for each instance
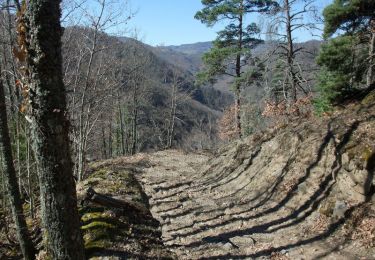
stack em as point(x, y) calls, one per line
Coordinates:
point(303, 193)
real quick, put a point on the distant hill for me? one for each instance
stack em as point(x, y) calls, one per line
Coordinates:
point(186, 56)
point(191, 49)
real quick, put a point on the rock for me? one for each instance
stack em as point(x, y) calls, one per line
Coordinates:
point(228, 246)
point(339, 210)
point(244, 241)
point(326, 208)
point(302, 188)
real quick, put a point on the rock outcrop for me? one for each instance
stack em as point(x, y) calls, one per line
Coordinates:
point(301, 192)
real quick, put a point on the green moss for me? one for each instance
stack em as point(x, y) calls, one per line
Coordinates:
point(101, 244)
point(98, 225)
point(99, 231)
point(100, 173)
point(360, 152)
point(92, 215)
point(367, 154)
point(369, 99)
point(326, 207)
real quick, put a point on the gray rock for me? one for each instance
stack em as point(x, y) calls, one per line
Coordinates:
point(302, 188)
point(228, 246)
point(244, 241)
point(340, 209)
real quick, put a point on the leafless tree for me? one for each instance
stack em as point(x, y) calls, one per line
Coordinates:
point(288, 19)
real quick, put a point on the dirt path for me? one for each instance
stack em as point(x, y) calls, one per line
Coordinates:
point(221, 216)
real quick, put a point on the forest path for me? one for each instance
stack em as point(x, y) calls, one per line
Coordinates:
point(216, 216)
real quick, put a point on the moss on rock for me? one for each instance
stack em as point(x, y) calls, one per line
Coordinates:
point(108, 230)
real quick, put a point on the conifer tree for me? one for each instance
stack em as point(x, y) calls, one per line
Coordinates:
point(231, 49)
point(345, 65)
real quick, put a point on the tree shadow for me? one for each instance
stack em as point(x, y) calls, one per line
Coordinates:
point(331, 229)
point(298, 215)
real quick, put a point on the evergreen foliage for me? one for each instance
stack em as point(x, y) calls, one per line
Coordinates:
point(346, 61)
point(231, 50)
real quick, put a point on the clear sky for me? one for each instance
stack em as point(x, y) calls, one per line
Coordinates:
point(171, 22)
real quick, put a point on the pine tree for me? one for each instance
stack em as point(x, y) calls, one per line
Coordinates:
point(231, 49)
point(347, 61)
point(356, 18)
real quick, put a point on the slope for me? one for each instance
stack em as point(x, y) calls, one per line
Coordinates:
point(302, 192)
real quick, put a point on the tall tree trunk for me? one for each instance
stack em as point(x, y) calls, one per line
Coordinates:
point(238, 76)
point(110, 144)
point(19, 170)
point(104, 144)
point(11, 184)
point(172, 115)
point(50, 129)
point(290, 53)
point(121, 122)
point(134, 120)
point(29, 177)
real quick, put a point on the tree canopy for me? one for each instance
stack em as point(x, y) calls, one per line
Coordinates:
point(348, 16)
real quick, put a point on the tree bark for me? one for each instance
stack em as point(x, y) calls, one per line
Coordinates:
point(121, 123)
point(170, 131)
point(50, 129)
point(11, 184)
point(238, 75)
point(290, 52)
point(134, 119)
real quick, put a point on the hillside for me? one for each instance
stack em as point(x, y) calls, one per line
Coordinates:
point(189, 58)
point(197, 110)
point(305, 191)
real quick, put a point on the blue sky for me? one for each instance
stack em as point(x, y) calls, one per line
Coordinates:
point(171, 22)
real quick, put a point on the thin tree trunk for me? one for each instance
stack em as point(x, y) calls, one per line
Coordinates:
point(290, 53)
point(121, 122)
point(18, 137)
point(24, 239)
point(104, 147)
point(172, 116)
point(50, 131)
point(110, 149)
point(238, 76)
point(134, 120)
point(29, 177)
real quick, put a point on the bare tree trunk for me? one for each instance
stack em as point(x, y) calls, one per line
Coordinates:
point(121, 122)
point(110, 150)
point(11, 184)
point(172, 114)
point(50, 131)
point(290, 52)
point(134, 120)
point(29, 177)
point(104, 147)
point(18, 137)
